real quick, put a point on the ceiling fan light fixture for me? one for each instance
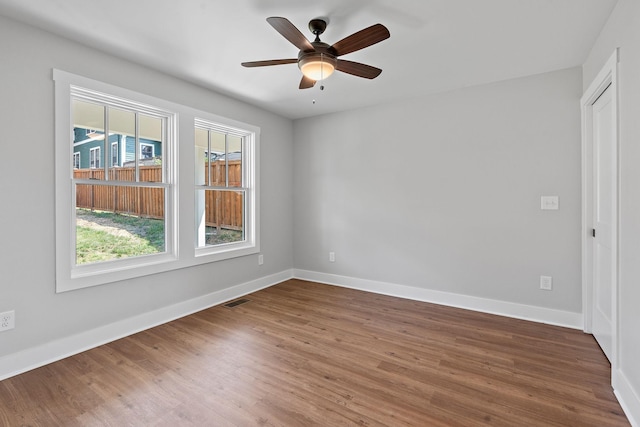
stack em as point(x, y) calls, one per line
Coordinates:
point(318, 60)
point(317, 66)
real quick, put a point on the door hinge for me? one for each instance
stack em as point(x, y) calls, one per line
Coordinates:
point(593, 232)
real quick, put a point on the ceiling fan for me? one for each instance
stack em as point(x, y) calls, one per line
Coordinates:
point(317, 60)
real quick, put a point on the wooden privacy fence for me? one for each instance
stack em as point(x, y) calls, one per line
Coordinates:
point(223, 208)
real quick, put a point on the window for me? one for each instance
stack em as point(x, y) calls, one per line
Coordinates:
point(114, 154)
point(224, 186)
point(94, 157)
point(128, 144)
point(122, 198)
point(119, 221)
point(146, 151)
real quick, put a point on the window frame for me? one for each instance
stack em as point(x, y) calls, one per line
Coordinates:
point(180, 197)
point(248, 187)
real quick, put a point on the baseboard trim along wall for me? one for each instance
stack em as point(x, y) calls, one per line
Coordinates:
point(25, 360)
point(627, 397)
point(35, 357)
point(502, 308)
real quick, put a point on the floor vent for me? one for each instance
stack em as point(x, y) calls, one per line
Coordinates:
point(236, 303)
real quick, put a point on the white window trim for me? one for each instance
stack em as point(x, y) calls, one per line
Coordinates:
point(181, 251)
point(76, 155)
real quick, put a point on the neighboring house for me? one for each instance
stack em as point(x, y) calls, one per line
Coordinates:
point(88, 149)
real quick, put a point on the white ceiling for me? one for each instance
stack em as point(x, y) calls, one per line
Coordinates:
point(435, 45)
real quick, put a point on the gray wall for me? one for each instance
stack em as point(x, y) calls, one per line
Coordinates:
point(623, 31)
point(27, 257)
point(443, 192)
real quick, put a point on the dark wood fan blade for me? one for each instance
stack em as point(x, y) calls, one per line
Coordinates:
point(290, 32)
point(269, 62)
point(363, 38)
point(358, 69)
point(307, 83)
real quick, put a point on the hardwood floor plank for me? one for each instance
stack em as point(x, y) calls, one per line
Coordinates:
point(306, 354)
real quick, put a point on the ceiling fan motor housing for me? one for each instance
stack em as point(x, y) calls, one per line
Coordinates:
point(317, 27)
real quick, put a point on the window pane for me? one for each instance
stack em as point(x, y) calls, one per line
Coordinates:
point(217, 144)
point(114, 222)
point(88, 138)
point(202, 156)
point(151, 146)
point(122, 137)
point(217, 153)
point(234, 161)
point(221, 217)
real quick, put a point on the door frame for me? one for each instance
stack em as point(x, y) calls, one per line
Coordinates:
point(606, 78)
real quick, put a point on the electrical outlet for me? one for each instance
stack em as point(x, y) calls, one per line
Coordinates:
point(549, 203)
point(7, 320)
point(546, 283)
point(332, 257)
point(260, 259)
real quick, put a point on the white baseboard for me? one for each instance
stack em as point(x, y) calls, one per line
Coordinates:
point(31, 358)
point(502, 308)
point(25, 360)
point(628, 398)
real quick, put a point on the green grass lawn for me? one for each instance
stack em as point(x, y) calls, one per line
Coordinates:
point(225, 236)
point(109, 236)
point(104, 236)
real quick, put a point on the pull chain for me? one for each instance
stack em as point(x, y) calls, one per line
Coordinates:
point(321, 70)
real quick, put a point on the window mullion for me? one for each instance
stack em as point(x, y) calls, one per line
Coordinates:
point(99, 183)
point(209, 158)
point(245, 169)
point(226, 159)
point(105, 144)
point(136, 154)
point(165, 149)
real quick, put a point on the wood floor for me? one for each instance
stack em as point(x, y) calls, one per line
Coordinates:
point(306, 354)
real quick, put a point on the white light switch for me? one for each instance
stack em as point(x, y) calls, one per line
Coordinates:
point(549, 203)
point(546, 283)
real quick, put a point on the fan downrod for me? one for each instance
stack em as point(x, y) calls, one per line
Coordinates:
point(317, 27)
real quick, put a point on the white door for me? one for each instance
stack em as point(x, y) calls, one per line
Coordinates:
point(604, 180)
